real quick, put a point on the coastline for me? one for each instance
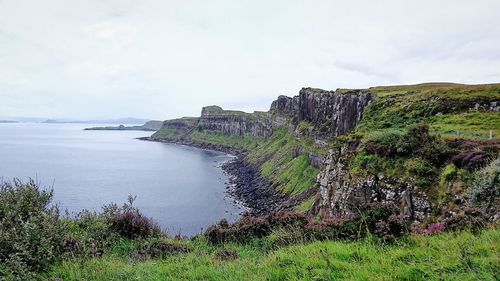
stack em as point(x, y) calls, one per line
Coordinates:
point(246, 185)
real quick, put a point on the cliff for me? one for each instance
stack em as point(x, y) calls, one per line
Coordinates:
point(421, 147)
point(216, 120)
point(332, 114)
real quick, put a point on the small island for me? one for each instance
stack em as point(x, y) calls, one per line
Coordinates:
point(152, 125)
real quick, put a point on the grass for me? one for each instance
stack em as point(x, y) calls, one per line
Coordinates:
point(168, 134)
point(306, 205)
point(246, 142)
point(291, 174)
point(474, 125)
point(450, 256)
point(400, 106)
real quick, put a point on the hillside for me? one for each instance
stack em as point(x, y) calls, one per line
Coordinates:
point(152, 125)
point(326, 152)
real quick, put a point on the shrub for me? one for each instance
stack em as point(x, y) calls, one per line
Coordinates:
point(485, 188)
point(435, 228)
point(420, 167)
point(449, 173)
point(31, 235)
point(289, 220)
point(471, 160)
point(393, 228)
point(133, 225)
point(416, 141)
point(249, 227)
point(325, 229)
point(90, 235)
point(470, 219)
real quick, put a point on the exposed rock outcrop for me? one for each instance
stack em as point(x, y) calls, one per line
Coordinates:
point(215, 119)
point(341, 194)
point(331, 113)
point(185, 123)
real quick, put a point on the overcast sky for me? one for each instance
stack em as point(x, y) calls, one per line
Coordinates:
point(88, 59)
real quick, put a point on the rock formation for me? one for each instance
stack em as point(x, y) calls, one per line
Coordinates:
point(340, 193)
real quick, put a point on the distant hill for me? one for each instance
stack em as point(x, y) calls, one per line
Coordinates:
point(152, 125)
point(126, 121)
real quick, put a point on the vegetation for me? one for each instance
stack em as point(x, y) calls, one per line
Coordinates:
point(436, 136)
point(374, 245)
point(485, 188)
point(233, 141)
point(31, 235)
point(450, 256)
point(168, 134)
point(443, 105)
point(284, 159)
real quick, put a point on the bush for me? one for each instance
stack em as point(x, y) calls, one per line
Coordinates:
point(485, 188)
point(420, 167)
point(289, 220)
point(396, 226)
point(90, 235)
point(249, 227)
point(133, 225)
point(415, 142)
point(246, 228)
point(289, 227)
point(449, 173)
point(471, 160)
point(471, 219)
point(377, 218)
point(31, 235)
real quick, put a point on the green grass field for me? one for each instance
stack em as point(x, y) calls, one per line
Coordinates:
point(450, 256)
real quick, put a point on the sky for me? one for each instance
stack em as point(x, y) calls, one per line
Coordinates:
point(99, 59)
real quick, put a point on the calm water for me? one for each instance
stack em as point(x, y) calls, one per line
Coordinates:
point(181, 188)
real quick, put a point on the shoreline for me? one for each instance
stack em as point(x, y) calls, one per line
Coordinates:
point(246, 186)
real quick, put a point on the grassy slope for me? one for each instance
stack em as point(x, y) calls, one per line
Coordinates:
point(293, 174)
point(450, 256)
point(446, 108)
point(399, 106)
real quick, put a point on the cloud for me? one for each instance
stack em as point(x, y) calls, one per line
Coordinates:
point(163, 59)
point(110, 31)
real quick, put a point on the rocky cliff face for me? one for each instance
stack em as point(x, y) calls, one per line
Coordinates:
point(216, 120)
point(185, 124)
point(341, 193)
point(331, 113)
